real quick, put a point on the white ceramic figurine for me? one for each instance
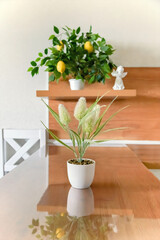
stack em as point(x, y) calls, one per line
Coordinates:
point(119, 74)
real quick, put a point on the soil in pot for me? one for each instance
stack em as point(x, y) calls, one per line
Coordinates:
point(83, 162)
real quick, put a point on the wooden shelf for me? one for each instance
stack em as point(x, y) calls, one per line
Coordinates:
point(91, 94)
point(62, 91)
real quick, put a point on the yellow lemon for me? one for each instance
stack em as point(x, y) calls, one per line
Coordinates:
point(61, 46)
point(88, 46)
point(62, 214)
point(59, 233)
point(61, 66)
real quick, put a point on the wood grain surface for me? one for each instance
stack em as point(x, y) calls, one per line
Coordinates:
point(88, 92)
point(142, 117)
point(122, 183)
point(148, 154)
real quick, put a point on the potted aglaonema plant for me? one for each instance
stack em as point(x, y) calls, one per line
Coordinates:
point(81, 170)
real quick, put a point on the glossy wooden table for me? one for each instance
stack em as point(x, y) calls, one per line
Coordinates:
point(148, 154)
point(122, 204)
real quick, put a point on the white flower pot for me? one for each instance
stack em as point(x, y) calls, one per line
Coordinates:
point(81, 176)
point(80, 202)
point(76, 84)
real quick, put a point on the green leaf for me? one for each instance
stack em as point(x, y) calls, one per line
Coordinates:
point(68, 28)
point(103, 56)
point(56, 30)
point(95, 46)
point(56, 138)
point(40, 54)
point(54, 51)
point(33, 63)
point(103, 80)
point(72, 37)
point(38, 236)
point(80, 40)
point(46, 51)
point(98, 77)
point(64, 29)
point(106, 68)
point(55, 41)
point(78, 139)
point(34, 231)
point(57, 74)
point(35, 222)
point(30, 69)
point(64, 75)
point(78, 30)
point(102, 115)
point(79, 76)
point(90, 29)
point(31, 226)
point(91, 80)
point(64, 41)
point(72, 138)
point(44, 232)
point(76, 136)
point(51, 37)
point(107, 76)
point(51, 78)
point(43, 61)
point(94, 37)
point(104, 48)
point(115, 129)
point(97, 141)
point(51, 63)
point(38, 59)
point(54, 114)
point(107, 121)
point(49, 69)
point(35, 71)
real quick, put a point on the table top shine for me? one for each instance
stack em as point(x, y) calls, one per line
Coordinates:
point(123, 204)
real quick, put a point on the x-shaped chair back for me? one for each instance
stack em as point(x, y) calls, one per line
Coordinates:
point(10, 136)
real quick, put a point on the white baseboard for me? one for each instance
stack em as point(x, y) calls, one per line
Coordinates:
point(112, 143)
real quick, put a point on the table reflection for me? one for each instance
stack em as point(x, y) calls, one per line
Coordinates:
point(123, 207)
point(80, 202)
point(78, 221)
point(63, 226)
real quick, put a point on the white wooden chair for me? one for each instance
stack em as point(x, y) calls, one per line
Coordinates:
point(10, 136)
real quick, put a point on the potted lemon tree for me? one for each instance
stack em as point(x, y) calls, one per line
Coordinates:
point(83, 56)
point(81, 170)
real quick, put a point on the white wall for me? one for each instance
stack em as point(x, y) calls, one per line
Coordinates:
point(133, 27)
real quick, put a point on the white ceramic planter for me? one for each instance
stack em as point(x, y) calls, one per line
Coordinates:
point(80, 202)
point(81, 176)
point(76, 84)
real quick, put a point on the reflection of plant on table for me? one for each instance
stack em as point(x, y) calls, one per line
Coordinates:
point(84, 56)
point(62, 226)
